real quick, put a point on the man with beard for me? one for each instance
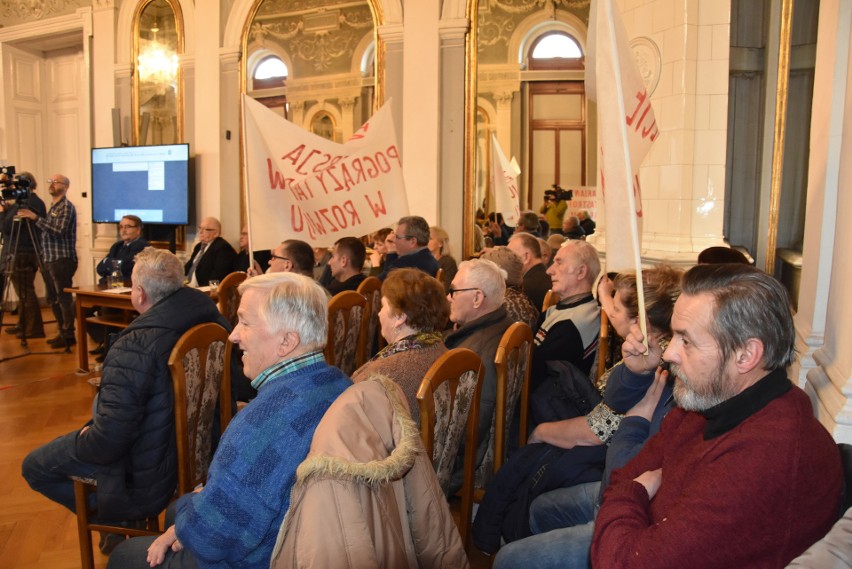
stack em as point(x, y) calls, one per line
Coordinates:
point(741, 474)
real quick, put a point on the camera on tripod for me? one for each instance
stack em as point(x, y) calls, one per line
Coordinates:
point(558, 194)
point(14, 187)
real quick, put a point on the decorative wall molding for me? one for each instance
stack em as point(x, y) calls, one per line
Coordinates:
point(649, 60)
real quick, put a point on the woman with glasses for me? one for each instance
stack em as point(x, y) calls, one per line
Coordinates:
point(414, 313)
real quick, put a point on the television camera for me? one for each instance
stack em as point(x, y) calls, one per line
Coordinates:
point(558, 194)
point(14, 187)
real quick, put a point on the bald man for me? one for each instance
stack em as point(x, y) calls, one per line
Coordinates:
point(212, 258)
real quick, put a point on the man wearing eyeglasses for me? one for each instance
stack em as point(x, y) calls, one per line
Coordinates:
point(292, 256)
point(212, 257)
point(125, 249)
point(412, 251)
point(59, 252)
point(476, 310)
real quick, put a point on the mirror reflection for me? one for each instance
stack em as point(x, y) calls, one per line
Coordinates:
point(314, 62)
point(158, 39)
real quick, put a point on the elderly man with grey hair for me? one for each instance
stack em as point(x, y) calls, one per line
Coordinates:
point(412, 248)
point(480, 319)
point(234, 520)
point(129, 445)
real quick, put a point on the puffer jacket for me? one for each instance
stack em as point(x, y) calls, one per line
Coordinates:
point(366, 496)
point(132, 435)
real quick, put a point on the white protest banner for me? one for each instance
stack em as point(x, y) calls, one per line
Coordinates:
point(302, 186)
point(626, 129)
point(504, 181)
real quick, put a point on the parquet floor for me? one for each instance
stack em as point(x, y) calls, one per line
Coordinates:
point(40, 398)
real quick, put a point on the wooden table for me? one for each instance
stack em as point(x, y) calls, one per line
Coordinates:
point(100, 295)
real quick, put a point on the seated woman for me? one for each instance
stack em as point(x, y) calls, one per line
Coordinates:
point(414, 312)
point(576, 447)
point(439, 246)
point(380, 250)
point(517, 304)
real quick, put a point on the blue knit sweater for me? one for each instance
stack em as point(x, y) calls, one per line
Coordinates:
point(234, 521)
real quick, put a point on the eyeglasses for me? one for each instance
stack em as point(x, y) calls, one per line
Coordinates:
point(206, 229)
point(453, 291)
point(274, 256)
point(56, 182)
point(398, 236)
point(128, 226)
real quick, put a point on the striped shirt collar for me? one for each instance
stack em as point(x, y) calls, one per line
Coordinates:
point(287, 367)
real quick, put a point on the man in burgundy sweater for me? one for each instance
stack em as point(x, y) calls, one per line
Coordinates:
point(741, 474)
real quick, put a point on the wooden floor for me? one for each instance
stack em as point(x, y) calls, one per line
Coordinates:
point(41, 397)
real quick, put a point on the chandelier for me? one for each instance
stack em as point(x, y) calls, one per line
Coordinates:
point(157, 62)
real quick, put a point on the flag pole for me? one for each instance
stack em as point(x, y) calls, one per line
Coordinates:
point(244, 168)
point(631, 196)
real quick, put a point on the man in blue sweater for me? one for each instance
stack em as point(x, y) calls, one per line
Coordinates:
point(234, 520)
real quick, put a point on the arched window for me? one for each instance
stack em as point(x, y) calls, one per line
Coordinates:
point(556, 50)
point(270, 72)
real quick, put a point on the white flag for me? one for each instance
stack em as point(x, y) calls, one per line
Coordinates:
point(626, 129)
point(302, 186)
point(504, 181)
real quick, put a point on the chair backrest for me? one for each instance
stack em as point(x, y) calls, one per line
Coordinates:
point(440, 276)
point(229, 298)
point(513, 363)
point(200, 368)
point(448, 398)
point(603, 346)
point(550, 299)
point(347, 322)
point(371, 289)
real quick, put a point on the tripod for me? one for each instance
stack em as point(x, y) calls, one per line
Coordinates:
point(12, 269)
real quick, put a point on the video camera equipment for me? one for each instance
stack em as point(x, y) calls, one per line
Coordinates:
point(13, 187)
point(558, 194)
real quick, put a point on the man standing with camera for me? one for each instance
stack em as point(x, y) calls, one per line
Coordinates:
point(59, 242)
point(554, 209)
point(20, 252)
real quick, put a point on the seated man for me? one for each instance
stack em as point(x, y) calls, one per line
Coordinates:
point(411, 241)
point(129, 446)
point(234, 520)
point(572, 229)
point(292, 256)
point(124, 250)
point(241, 261)
point(212, 258)
point(536, 278)
point(742, 451)
point(346, 264)
point(568, 331)
point(476, 309)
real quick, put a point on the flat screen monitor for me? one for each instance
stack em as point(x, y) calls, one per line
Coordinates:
point(151, 182)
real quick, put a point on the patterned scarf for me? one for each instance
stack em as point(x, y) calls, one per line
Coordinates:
point(413, 342)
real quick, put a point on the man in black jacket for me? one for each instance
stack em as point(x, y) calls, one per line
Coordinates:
point(133, 422)
point(212, 258)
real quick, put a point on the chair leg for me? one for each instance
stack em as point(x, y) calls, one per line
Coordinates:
point(87, 560)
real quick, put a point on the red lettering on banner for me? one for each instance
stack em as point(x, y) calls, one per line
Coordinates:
point(380, 157)
point(320, 176)
point(372, 171)
point(294, 209)
point(277, 181)
point(347, 179)
point(339, 186)
point(359, 171)
point(361, 131)
point(379, 207)
point(393, 152)
point(324, 213)
point(637, 193)
point(644, 105)
point(293, 155)
point(303, 162)
point(349, 208)
point(320, 165)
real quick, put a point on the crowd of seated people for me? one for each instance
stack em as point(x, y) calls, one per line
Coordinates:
point(641, 467)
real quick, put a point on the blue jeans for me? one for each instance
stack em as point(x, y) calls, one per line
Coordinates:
point(563, 524)
point(48, 470)
point(61, 273)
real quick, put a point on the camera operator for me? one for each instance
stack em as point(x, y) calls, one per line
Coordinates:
point(58, 239)
point(554, 210)
point(21, 252)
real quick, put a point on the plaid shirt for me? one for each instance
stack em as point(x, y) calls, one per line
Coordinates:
point(59, 231)
point(286, 367)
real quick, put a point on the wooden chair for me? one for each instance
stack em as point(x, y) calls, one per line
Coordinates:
point(229, 298)
point(603, 346)
point(346, 323)
point(448, 399)
point(550, 299)
point(440, 276)
point(371, 289)
point(199, 364)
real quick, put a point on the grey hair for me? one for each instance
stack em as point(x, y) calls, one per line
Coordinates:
point(585, 254)
point(528, 242)
point(293, 303)
point(417, 227)
point(487, 277)
point(158, 272)
point(748, 304)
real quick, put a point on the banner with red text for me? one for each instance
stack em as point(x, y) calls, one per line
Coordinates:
point(504, 182)
point(302, 186)
point(626, 129)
